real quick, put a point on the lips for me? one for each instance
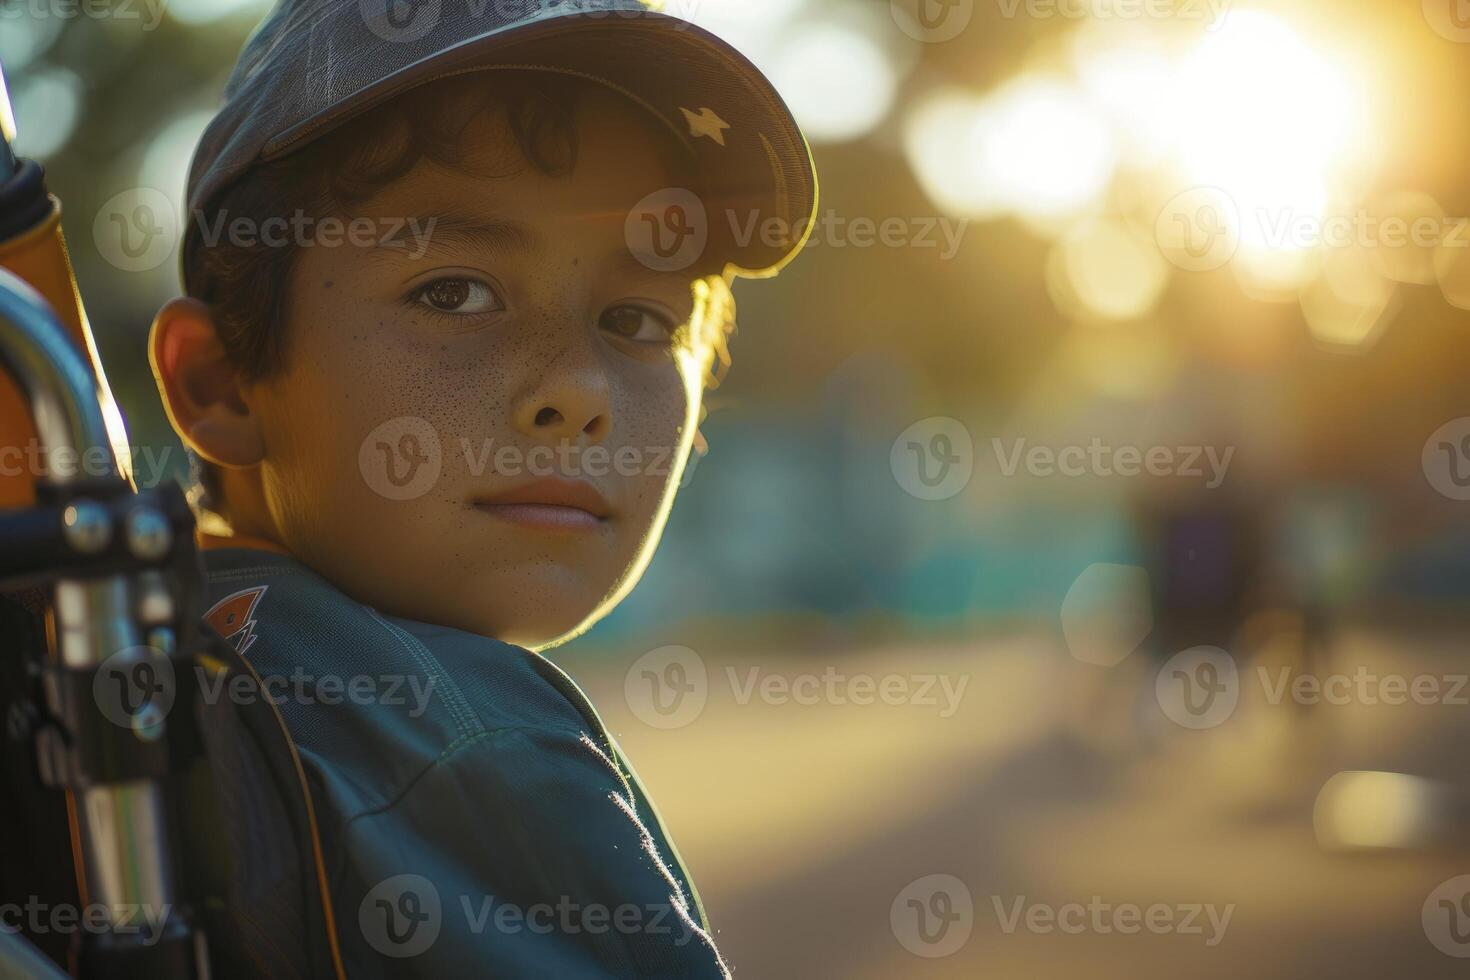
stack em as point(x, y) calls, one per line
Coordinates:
point(548, 504)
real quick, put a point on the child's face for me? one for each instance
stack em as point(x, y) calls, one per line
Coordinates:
point(518, 334)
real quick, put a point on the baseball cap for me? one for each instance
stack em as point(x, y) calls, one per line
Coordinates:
point(312, 65)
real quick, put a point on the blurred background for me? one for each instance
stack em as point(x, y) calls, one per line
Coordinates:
point(1077, 585)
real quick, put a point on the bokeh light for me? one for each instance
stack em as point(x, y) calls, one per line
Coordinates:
point(837, 80)
point(1104, 271)
point(197, 12)
point(165, 165)
point(1452, 264)
point(47, 105)
point(942, 139)
point(1044, 150)
point(24, 39)
point(1406, 230)
point(1131, 82)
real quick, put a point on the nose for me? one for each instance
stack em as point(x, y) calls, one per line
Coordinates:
point(568, 403)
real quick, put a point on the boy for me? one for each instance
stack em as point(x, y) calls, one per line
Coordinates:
point(455, 280)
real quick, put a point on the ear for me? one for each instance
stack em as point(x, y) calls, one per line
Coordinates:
point(201, 388)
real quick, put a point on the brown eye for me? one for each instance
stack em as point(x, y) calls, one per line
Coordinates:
point(636, 324)
point(459, 295)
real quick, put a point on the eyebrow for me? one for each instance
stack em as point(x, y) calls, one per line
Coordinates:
point(450, 231)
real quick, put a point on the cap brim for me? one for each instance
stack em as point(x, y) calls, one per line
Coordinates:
point(759, 185)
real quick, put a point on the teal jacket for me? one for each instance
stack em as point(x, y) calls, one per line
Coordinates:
point(475, 818)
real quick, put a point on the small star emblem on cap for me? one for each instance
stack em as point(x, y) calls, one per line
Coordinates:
point(706, 122)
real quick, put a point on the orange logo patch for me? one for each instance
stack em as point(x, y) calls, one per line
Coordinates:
point(233, 617)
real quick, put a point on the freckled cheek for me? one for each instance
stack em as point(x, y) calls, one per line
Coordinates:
point(654, 416)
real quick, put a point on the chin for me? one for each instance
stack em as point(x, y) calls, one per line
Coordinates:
point(533, 639)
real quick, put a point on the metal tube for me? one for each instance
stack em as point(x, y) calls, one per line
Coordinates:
point(123, 828)
point(35, 350)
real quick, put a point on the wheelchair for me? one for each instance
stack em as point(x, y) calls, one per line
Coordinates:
point(145, 831)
